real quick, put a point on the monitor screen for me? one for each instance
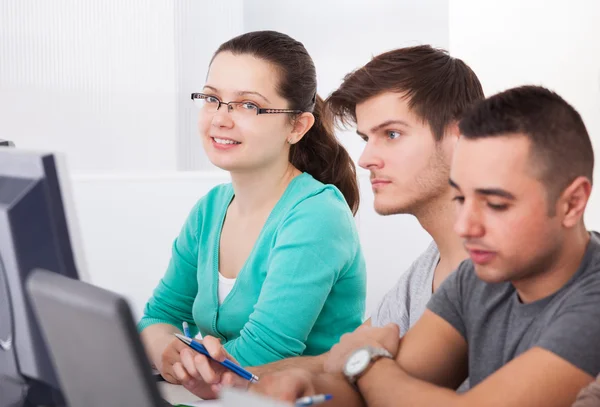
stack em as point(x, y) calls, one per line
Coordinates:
point(37, 229)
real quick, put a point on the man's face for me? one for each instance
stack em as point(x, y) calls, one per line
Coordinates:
point(502, 209)
point(408, 167)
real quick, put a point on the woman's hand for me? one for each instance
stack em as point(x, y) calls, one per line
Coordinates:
point(202, 376)
point(169, 357)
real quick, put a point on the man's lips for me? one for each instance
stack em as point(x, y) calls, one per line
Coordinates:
point(379, 182)
point(480, 256)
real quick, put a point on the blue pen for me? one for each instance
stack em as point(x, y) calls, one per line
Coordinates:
point(186, 329)
point(312, 400)
point(198, 347)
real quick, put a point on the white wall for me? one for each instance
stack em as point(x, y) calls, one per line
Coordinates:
point(93, 79)
point(108, 82)
point(544, 42)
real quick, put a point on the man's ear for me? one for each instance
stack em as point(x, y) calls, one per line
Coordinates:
point(302, 124)
point(573, 201)
point(451, 136)
point(452, 132)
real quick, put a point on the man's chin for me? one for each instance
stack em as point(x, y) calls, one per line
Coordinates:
point(489, 274)
point(386, 210)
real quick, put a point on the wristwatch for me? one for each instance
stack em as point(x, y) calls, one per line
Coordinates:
point(361, 360)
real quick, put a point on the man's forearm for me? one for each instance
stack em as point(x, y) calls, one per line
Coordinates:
point(386, 384)
point(344, 395)
point(313, 364)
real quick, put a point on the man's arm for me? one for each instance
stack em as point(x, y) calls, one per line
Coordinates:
point(434, 352)
point(536, 378)
point(432, 362)
point(313, 364)
point(431, 352)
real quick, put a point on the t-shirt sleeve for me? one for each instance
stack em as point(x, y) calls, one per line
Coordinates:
point(394, 306)
point(589, 396)
point(574, 333)
point(448, 300)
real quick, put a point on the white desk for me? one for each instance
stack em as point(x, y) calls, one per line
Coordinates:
point(176, 394)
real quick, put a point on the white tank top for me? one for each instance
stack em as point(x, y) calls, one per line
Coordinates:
point(225, 286)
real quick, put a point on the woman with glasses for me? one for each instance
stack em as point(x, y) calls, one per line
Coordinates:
point(269, 264)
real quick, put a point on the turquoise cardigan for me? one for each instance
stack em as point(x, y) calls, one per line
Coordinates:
point(302, 286)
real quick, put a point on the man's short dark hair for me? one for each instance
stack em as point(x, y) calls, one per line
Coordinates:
point(439, 87)
point(560, 144)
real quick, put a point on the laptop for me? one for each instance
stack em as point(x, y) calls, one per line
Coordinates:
point(93, 342)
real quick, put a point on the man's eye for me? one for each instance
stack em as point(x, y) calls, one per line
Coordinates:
point(495, 207)
point(459, 199)
point(392, 134)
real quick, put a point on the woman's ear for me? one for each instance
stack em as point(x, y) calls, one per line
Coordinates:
point(302, 125)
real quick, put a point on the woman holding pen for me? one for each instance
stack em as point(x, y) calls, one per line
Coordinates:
point(270, 265)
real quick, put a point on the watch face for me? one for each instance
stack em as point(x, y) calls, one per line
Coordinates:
point(358, 362)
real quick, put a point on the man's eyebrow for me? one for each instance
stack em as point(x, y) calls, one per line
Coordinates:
point(486, 191)
point(495, 192)
point(382, 125)
point(388, 123)
point(453, 184)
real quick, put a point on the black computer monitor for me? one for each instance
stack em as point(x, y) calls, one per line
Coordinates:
point(37, 228)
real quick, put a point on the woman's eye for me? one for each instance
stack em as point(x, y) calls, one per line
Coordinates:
point(249, 106)
point(392, 135)
point(211, 99)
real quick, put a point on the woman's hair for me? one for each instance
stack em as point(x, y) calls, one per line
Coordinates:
point(318, 153)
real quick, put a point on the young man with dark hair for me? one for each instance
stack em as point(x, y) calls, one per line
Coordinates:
point(406, 105)
point(521, 317)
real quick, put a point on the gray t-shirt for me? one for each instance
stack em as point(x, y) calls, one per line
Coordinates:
point(498, 327)
point(406, 302)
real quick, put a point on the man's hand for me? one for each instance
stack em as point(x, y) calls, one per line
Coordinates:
point(387, 337)
point(287, 385)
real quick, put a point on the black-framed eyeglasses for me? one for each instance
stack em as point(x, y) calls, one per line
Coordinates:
point(211, 104)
